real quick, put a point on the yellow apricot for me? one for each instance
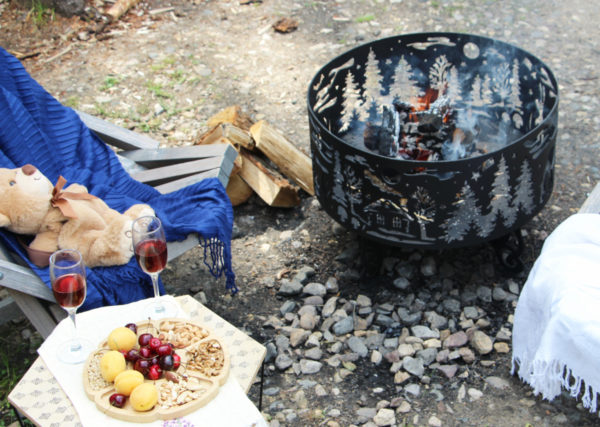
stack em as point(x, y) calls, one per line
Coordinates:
point(122, 339)
point(144, 397)
point(112, 364)
point(127, 380)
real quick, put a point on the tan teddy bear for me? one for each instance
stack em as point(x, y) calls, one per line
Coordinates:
point(73, 218)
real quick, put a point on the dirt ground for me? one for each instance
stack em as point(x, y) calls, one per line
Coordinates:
point(167, 66)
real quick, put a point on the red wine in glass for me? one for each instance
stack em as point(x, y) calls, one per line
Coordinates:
point(150, 248)
point(67, 274)
point(69, 290)
point(151, 255)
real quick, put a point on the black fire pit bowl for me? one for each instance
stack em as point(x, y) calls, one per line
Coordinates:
point(506, 176)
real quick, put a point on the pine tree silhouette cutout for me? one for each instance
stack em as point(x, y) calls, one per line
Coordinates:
point(500, 203)
point(350, 102)
point(454, 90)
point(515, 88)
point(466, 213)
point(523, 199)
point(372, 87)
point(403, 87)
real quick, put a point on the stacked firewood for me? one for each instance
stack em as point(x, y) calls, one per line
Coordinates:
point(267, 164)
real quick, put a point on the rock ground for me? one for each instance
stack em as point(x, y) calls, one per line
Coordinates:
point(357, 334)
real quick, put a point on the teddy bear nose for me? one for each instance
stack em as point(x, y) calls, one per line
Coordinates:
point(28, 169)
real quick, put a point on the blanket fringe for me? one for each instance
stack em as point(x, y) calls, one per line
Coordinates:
point(547, 379)
point(218, 262)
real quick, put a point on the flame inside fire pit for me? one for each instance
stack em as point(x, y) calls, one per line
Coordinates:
point(433, 139)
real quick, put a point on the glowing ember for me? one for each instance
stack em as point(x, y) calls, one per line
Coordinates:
point(424, 130)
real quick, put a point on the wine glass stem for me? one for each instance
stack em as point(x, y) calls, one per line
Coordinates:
point(75, 344)
point(154, 277)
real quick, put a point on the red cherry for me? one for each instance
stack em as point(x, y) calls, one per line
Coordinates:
point(166, 362)
point(132, 326)
point(176, 361)
point(154, 373)
point(132, 355)
point(144, 339)
point(154, 343)
point(164, 350)
point(117, 400)
point(145, 352)
point(142, 365)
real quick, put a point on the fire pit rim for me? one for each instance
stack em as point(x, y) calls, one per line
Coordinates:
point(425, 163)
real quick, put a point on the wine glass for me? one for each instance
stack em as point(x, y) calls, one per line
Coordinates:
point(67, 273)
point(150, 248)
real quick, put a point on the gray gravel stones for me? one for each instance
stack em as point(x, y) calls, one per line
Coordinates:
point(316, 289)
point(290, 288)
point(310, 366)
point(343, 326)
point(413, 366)
point(357, 346)
point(481, 342)
point(418, 335)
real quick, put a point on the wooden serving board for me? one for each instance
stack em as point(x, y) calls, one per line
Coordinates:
point(204, 368)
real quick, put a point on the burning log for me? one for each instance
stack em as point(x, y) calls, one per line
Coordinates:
point(426, 131)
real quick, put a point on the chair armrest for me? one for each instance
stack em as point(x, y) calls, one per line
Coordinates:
point(115, 135)
point(24, 280)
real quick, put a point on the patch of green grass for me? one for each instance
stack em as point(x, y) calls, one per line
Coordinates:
point(435, 3)
point(110, 81)
point(164, 63)
point(178, 77)
point(40, 14)
point(105, 113)
point(365, 18)
point(158, 90)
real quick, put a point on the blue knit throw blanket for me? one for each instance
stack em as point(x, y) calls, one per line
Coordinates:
point(35, 128)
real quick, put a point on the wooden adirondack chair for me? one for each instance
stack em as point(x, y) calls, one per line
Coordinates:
point(166, 169)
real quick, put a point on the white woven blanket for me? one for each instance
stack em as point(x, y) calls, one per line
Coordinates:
point(556, 331)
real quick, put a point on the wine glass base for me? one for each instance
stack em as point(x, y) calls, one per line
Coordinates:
point(159, 309)
point(75, 350)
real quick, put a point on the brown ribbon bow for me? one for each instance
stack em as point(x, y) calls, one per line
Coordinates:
point(60, 199)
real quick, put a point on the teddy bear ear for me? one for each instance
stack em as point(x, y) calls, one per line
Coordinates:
point(4, 220)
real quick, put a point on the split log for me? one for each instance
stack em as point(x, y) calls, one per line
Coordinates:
point(237, 136)
point(273, 188)
point(238, 191)
point(120, 7)
point(292, 162)
point(233, 115)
